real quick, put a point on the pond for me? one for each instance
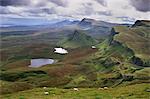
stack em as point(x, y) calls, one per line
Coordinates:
point(40, 62)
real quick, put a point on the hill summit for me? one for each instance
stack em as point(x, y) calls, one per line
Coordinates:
point(128, 44)
point(145, 23)
point(77, 39)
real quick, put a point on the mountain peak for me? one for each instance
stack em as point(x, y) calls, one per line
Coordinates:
point(77, 36)
point(87, 20)
point(77, 39)
point(142, 23)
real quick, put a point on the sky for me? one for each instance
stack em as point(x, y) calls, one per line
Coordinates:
point(116, 11)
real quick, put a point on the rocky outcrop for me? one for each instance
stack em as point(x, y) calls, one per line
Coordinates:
point(142, 23)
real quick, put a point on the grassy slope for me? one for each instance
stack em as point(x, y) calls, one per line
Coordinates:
point(114, 58)
point(137, 39)
point(67, 70)
point(110, 66)
point(137, 91)
point(77, 39)
point(127, 45)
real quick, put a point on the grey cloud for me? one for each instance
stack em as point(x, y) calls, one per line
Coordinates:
point(106, 13)
point(6, 10)
point(28, 11)
point(141, 5)
point(29, 2)
point(32, 10)
point(126, 19)
point(49, 10)
point(62, 3)
point(86, 9)
point(102, 2)
point(41, 10)
point(14, 2)
point(3, 10)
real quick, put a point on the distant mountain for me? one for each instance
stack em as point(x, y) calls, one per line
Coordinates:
point(25, 22)
point(96, 28)
point(77, 39)
point(91, 22)
point(11, 22)
point(86, 22)
point(64, 23)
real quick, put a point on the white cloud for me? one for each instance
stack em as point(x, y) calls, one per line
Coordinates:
point(106, 10)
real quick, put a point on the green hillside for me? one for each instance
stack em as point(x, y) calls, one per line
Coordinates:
point(137, 39)
point(77, 39)
point(128, 44)
point(138, 91)
point(119, 63)
point(125, 55)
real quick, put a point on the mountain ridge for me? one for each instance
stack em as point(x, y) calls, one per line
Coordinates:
point(77, 39)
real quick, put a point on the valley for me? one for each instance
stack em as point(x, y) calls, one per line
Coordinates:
point(119, 60)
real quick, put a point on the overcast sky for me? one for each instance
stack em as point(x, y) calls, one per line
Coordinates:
point(106, 10)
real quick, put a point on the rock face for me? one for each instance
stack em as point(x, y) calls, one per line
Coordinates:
point(77, 39)
point(137, 61)
point(86, 22)
point(142, 23)
point(136, 39)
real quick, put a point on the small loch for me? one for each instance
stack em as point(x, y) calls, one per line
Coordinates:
point(40, 62)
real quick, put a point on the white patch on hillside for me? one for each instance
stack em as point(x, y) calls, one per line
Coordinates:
point(61, 51)
point(93, 47)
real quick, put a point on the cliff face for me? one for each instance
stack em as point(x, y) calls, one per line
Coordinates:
point(142, 23)
point(135, 38)
point(125, 53)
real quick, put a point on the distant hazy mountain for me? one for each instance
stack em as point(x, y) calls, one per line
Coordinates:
point(77, 39)
point(11, 22)
point(24, 22)
point(64, 23)
point(91, 22)
point(95, 27)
